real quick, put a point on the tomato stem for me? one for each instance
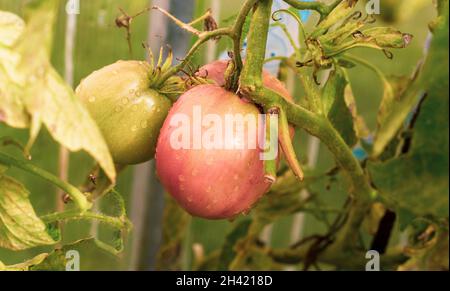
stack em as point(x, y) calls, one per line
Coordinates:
point(314, 123)
point(79, 198)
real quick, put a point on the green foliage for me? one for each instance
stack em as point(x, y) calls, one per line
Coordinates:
point(418, 179)
point(406, 171)
point(20, 228)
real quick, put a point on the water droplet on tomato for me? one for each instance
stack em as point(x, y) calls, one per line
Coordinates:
point(144, 124)
point(134, 128)
point(125, 100)
point(208, 190)
point(132, 91)
point(181, 178)
point(92, 99)
point(134, 107)
point(189, 199)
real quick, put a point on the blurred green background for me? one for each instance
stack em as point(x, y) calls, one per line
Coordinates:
point(98, 42)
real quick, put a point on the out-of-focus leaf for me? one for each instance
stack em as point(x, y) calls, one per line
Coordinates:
point(418, 180)
point(20, 228)
point(431, 257)
point(29, 81)
point(12, 110)
point(227, 253)
point(11, 27)
point(25, 266)
point(175, 225)
point(336, 108)
point(87, 249)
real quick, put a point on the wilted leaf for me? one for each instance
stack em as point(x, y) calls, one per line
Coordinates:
point(20, 228)
point(418, 180)
point(12, 110)
point(11, 27)
point(29, 81)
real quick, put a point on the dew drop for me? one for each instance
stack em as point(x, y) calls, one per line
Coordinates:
point(208, 190)
point(144, 124)
point(137, 94)
point(246, 212)
point(134, 107)
point(132, 91)
point(92, 99)
point(125, 100)
point(158, 109)
point(208, 207)
point(181, 178)
point(189, 199)
point(134, 128)
point(182, 189)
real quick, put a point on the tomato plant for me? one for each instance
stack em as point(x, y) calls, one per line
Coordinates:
point(383, 174)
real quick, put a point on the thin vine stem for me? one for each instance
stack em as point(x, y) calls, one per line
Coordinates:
point(79, 198)
point(116, 222)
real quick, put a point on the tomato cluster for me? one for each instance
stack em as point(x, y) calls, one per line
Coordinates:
point(138, 121)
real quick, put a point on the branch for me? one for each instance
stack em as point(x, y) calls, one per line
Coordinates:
point(78, 197)
point(315, 124)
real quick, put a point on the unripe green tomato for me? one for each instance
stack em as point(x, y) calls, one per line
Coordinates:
point(128, 113)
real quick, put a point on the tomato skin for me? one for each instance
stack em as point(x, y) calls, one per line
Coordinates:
point(128, 113)
point(211, 183)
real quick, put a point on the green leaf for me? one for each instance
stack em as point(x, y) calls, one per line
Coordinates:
point(336, 108)
point(418, 180)
point(20, 228)
point(28, 80)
